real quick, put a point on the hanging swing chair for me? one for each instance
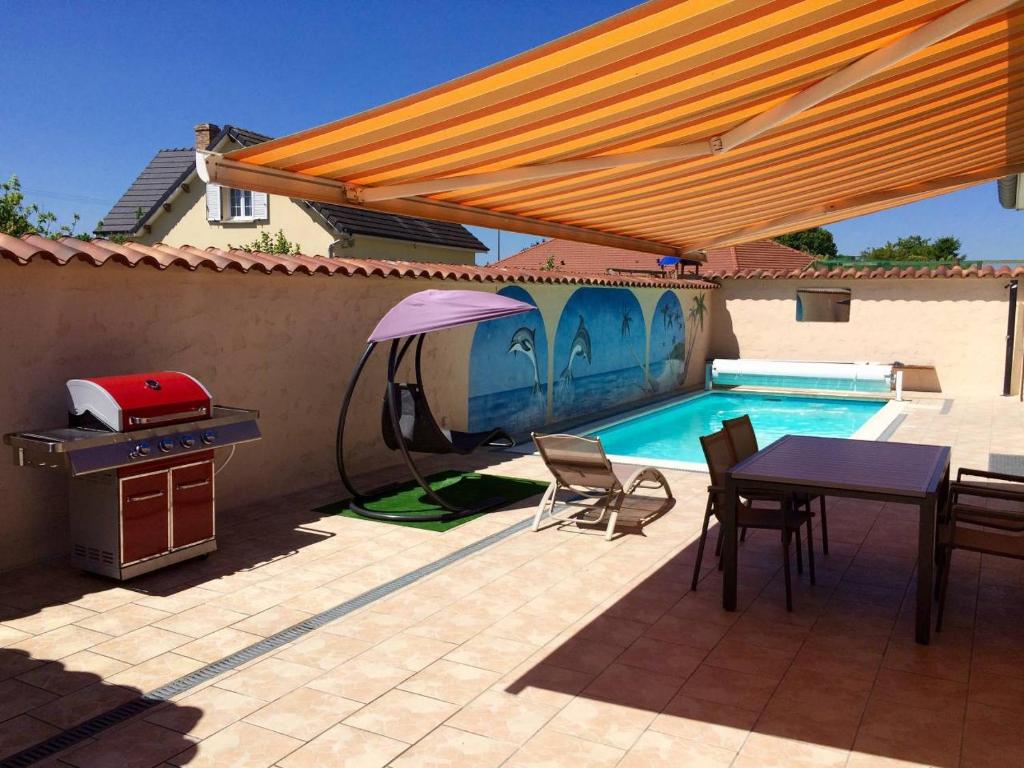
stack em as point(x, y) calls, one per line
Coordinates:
point(407, 423)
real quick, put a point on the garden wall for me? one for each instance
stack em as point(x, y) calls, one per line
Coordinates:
point(286, 345)
point(955, 325)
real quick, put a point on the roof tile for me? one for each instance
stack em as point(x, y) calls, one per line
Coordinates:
point(101, 252)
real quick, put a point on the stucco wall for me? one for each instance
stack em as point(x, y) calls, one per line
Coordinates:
point(283, 344)
point(957, 325)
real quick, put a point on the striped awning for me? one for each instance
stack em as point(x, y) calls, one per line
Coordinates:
point(677, 125)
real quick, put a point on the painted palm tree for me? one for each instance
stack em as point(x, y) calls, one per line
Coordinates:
point(696, 317)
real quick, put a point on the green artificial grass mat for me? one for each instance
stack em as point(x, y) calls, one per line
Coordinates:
point(460, 488)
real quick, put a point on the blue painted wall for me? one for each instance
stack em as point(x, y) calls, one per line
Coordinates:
point(508, 370)
point(666, 366)
point(599, 352)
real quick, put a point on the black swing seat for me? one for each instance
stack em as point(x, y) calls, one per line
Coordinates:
point(421, 431)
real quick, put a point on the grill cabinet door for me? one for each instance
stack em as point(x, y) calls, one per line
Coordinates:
point(144, 507)
point(192, 503)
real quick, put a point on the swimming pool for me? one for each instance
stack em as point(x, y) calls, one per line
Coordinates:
point(669, 434)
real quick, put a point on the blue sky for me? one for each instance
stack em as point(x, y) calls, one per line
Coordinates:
point(91, 90)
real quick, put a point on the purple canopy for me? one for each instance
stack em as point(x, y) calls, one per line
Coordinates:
point(435, 310)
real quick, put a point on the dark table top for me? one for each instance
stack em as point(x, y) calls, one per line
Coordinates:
point(865, 466)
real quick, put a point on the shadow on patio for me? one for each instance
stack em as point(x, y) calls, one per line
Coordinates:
point(841, 673)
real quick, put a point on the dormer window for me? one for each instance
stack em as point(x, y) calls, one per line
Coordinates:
point(241, 204)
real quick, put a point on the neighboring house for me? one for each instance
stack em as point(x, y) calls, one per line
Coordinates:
point(169, 203)
point(581, 258)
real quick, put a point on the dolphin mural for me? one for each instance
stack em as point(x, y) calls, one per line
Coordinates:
point(523, 342)
point(580, 347)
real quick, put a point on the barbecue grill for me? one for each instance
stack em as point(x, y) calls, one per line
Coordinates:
point(138, 450)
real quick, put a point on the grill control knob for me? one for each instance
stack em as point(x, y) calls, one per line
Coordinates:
point(187, 441)
point(165, 444)
point(143, 449)
point(208, 436)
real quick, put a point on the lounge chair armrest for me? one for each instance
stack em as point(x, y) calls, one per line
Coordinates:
point(647, 475)
point(957, 488)
point(986, 473)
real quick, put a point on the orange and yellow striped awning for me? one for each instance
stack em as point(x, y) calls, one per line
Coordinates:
point(680, 125)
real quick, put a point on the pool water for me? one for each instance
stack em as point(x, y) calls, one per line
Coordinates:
point(671, 433)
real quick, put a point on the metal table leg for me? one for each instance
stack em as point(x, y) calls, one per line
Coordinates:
point(728, 523)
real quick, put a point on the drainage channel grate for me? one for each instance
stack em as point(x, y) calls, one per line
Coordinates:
point(889, 431)
point(90, 728)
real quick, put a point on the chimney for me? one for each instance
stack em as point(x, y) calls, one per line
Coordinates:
point(204, 134)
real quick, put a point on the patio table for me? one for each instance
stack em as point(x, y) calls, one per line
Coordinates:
point(905, 473)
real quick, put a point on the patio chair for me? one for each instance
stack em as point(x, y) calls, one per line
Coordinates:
point(581, 467)
point(744, 444)
point(780, 515)
point(985, 514)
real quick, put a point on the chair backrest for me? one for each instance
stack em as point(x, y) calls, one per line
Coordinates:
point(719, 455)
point(577, 461)
point(741, 434)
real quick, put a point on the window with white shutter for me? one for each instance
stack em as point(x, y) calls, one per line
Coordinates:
point(213, 202)
point(259, 206)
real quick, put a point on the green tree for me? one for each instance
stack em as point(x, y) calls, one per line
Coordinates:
point(20, 218)
point(817, 241)
point(915, 248)
point(267, 243)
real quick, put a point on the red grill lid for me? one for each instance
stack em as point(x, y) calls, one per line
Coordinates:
point(139, 400)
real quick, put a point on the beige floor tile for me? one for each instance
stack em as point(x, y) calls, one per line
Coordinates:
point(271, 621)
point(141, 644)
point(604, 722)
point(345, 746)
point(205, 712)
point(200, 621)
point(775, 752)
point(17, 698)
point(217, 644)
point(449, 681)
point(22, 732)
point(44, 619)
point(451, 748)
point(552, 749)
point(83, 704)
point(58, 643)
point(402, 715)
point(724, 686)
point(904, 732)
point(304, 713)
point(155, 672)
point(240, 746)
point(138, 745)
point(707, 722)
point(632, 687)
point(252, 599)
point(493, 653)
point(73, 672)
point(544, 684)
point(371, 626)
point(360, 679)
point(662, 657)
point(123, 619)
point(179, 601)
point(269, 679)
point(323, 651)
point(659, 750)
point(410, 651)
point(503, 716)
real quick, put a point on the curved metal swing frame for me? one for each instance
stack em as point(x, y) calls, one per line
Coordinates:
point(396, 354)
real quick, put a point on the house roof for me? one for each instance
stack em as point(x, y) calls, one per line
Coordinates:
point(172, 167)
point(66, 250)
point(583, 258)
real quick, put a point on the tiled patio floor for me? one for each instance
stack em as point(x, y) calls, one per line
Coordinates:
point(547, 649)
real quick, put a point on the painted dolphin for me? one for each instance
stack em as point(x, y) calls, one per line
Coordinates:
point(524, 342)
point(580, 347)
